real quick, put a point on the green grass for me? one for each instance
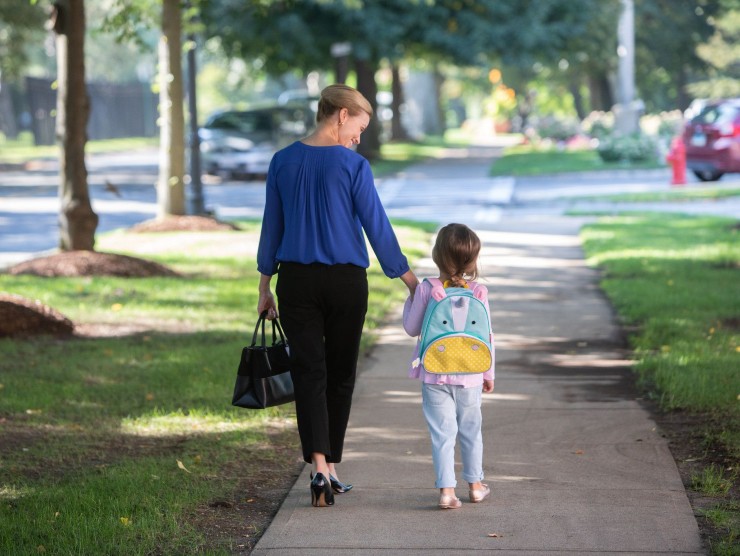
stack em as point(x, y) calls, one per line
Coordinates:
point(674, 282)
point(713, 481)
point(396, 155)
point(22, 149)
point(527, 160)
point(659, 196)
point(115, 445)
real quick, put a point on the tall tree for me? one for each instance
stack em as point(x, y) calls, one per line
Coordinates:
point(667, 34)
point(722, 55)
point(126, 19)
point(171, 185)
point(77, 219)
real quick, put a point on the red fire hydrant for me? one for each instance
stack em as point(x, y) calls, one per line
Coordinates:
point(676, 157)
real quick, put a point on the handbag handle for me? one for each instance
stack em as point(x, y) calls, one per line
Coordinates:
point(275, 326)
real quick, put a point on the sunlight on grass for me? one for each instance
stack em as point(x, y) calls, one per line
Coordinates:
point(8, 492)
point(159, 423)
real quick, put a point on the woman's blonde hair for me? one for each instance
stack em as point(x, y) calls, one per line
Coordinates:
point(456, 253)
point(338, 96)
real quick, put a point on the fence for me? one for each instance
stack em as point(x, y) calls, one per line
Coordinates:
point(116, 110)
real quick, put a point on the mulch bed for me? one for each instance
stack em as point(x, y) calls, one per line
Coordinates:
point(184, 224)
point(91, 263)
point(20, 316)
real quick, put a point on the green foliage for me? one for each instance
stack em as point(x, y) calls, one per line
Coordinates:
point(627, 148)
point(666, 38)
point(21, 22)
point(722, 55)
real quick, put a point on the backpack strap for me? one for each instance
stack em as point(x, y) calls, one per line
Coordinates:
point(438, 290)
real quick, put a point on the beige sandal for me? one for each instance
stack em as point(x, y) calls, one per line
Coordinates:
point(478, 495)
point(447, 502)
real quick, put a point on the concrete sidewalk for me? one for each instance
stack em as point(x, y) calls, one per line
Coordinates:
point(572, 456)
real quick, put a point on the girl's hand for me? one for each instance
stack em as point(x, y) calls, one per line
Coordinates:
point(488, 386)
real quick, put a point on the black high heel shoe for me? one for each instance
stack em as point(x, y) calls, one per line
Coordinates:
point(336, 485)
point(321, 492)
point(339, 487)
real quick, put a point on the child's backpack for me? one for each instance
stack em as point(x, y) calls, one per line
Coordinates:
point(456, 335)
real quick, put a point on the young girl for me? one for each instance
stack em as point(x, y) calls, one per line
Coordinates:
point(452, 402)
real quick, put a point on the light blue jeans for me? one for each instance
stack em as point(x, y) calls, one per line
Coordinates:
point(454, 412)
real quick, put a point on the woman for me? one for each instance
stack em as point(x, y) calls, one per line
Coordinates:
point(320, 197)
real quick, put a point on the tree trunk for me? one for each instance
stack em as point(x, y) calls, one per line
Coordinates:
point(441, 119)
point(171, 187)
point(8, 125)
point(601, 94)
point(398, 132)
point(574, 86)
point(369, 146)
point(77, 219)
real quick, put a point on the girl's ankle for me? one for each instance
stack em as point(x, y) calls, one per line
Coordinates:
point(448, 491)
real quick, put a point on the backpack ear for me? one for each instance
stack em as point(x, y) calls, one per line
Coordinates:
point(480, 292)
point(438, 293)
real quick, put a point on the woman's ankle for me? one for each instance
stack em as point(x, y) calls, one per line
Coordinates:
point(447, 491)
point(476, 486)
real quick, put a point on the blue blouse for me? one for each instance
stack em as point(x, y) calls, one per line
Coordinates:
point(318, 201)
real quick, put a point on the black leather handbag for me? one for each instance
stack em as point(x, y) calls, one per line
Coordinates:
point(263, 379)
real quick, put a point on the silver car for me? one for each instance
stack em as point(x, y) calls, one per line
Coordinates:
point(241, 143)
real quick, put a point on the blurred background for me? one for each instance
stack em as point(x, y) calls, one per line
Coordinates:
point(615, 75)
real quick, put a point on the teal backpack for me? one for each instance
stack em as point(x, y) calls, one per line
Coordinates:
point(456, 334)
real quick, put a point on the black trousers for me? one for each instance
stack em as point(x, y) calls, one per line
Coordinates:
point(322, 310)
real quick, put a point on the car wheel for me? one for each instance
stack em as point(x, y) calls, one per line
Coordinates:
point(708, 175)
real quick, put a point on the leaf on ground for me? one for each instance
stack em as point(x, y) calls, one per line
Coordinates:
point(495, 535)
point(181, 465)
point(579, 452)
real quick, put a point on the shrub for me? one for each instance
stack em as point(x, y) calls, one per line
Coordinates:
point(558, 129)
point(627, 148)
point(598, 124)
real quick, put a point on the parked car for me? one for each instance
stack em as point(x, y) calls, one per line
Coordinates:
point(241, 143)
point(712, 140)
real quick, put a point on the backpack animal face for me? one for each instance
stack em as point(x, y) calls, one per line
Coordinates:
point(456, 332)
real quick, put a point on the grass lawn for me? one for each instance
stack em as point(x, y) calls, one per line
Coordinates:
point(528, 160)
point(674, 281)
point(660, 196)
point(124, 441)
point(23, 149)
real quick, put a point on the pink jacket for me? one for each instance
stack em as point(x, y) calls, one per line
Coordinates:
point(413, 316)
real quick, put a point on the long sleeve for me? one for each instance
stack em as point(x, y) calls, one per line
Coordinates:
point(273, 227)
point(375, 222)
point(414, 309)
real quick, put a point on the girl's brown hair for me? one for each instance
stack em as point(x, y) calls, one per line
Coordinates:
point(456, 253)
point(338, 96)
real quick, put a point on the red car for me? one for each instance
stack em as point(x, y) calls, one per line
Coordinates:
point(712, 140)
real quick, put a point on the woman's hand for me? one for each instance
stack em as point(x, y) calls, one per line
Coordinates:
point(488, 386)
point(411, 281)
point(266, 300)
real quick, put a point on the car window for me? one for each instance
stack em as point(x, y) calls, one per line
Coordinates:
point(717, 114)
